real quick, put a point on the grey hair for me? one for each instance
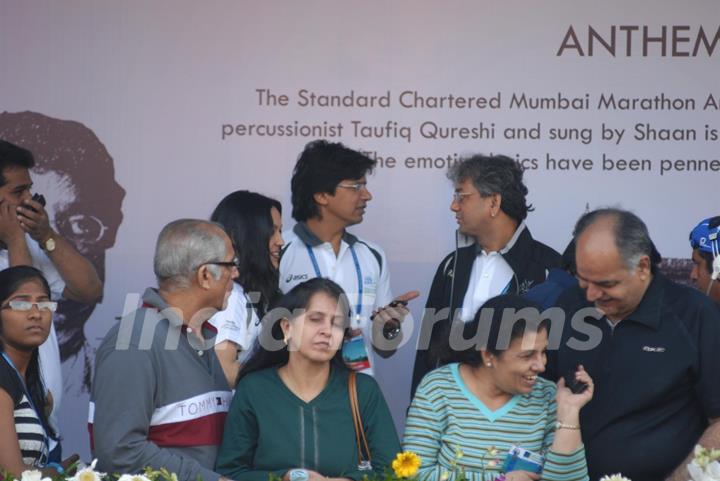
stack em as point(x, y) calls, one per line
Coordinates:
point(632, 238)
point(184, 245)
point(495, 174)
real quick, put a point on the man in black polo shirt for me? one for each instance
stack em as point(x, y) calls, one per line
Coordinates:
point(653, 352)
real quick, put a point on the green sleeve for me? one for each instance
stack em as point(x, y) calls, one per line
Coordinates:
point(379, 428)
point(424, 428)
point(237, 451)
point(561, 466)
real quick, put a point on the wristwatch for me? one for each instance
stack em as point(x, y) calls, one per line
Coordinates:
point(562, 425)
point(298, 475)
point(48, 245)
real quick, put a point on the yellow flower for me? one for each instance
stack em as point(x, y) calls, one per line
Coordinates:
point(406, 464)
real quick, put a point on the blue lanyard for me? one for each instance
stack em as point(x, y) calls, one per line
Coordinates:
point(46, 442)
point(358, 272)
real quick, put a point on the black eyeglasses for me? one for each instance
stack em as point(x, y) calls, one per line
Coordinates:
point(235, 262)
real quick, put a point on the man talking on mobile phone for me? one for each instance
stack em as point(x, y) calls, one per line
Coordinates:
point(26, 238)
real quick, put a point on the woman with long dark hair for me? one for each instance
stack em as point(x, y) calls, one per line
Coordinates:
point(291, 415)
point(25, 318)
point(254, 224)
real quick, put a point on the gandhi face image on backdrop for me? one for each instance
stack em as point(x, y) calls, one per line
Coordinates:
point(75, 173)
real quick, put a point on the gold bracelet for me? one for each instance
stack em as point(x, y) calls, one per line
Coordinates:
point(562, 425)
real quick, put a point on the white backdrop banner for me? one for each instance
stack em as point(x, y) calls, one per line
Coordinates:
point(143, 112)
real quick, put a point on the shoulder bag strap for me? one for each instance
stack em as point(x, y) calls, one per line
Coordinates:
point(357, 421)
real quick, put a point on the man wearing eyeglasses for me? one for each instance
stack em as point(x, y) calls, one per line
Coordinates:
point(26, 238)
point(497, 256)
point(330, 194)
point(159, 396)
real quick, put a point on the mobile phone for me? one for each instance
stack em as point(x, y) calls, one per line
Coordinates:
point(392, 328)
point(395, 303)
point(39, 198)
point(575, 386)
point(398, 302)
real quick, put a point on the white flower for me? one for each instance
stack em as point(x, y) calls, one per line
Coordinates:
point(710, 473)
point(696, 473)
point(32, 475)
point(133, 477)
point(88, 474)
point(614, 477)
point(713, 469)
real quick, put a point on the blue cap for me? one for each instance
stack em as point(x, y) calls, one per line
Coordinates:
point(705, 234)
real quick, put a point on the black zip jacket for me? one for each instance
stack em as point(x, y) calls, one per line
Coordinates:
point(530, 261)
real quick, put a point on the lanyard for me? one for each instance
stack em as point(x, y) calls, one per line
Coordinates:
point(358, 272)
point(46, 442)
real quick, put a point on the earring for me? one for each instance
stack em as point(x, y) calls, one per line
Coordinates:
point(286, 339)
point(489, 364)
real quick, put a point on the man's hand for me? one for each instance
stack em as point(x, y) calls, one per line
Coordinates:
point(10, 228)
point(34, 220)
point(396, 310)
point(386, 333)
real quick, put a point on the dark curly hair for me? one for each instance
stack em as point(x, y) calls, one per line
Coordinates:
point(320, 168)
point(497, 174)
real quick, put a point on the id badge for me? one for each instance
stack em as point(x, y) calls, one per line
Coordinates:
point(519, 459)
point(354, 351)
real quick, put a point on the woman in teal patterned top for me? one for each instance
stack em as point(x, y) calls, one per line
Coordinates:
point(471, 412)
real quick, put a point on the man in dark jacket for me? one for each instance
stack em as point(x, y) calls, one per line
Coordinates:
point(502, 257)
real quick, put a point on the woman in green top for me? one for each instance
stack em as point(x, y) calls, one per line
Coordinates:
point(291, 415)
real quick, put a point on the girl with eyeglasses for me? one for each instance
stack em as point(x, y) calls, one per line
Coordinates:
point(254, 224)
point(25, 317)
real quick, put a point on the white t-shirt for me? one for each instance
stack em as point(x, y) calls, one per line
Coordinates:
point(491, 276)
point(50, 349)
point(369, 276)
point(238, 322)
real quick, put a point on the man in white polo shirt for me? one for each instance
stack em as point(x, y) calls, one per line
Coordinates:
point(330, 194)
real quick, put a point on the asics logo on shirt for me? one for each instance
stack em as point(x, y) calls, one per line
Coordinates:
point(296, 277)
